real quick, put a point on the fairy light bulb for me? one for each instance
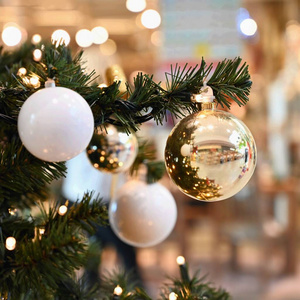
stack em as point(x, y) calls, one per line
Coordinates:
point(10, 243)
point(22, 72)
point(11, 35)
point(118, 290)
point(173, 296)
point(180, 260)
point(35, 82)
point(62, 210)
point(36, 38)
point(150, 19)
point(37, 54)
point(60, 37)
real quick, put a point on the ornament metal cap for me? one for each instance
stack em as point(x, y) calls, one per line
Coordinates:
point(205, 98)
point(49, 83)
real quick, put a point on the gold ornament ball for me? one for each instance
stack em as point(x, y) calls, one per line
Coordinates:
point(210, 155)
point(112, 150)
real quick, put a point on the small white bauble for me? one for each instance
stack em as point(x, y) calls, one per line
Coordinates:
point(55, 124)
point(141, 214)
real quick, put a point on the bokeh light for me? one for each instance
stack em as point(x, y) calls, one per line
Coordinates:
point(150, 19)
point(136, 5)
point(37, 54)
point(248, 27)
point(36, 38)
point(60, 37)
point(100, 35)
point(108, 48)
point(84, 38)
point(11, 35)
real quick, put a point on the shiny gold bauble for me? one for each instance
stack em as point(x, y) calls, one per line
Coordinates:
point(112, 150)
point(210, 155)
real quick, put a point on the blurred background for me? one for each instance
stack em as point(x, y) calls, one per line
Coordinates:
point(248, 244)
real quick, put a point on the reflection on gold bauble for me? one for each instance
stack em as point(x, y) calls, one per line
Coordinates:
point(111, 150)
point(210, 155)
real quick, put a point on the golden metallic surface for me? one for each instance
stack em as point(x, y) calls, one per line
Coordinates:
point(210, 155)
point(111, 150)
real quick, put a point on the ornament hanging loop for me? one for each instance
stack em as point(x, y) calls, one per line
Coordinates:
point(205, 99)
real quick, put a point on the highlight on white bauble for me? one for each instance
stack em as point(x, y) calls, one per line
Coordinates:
point(142, 215)
point(55, 124)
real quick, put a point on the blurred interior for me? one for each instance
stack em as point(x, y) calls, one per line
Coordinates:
point(248, 244)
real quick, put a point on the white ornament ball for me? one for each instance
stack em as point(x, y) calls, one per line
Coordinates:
point(55, 124)
point(142, 215)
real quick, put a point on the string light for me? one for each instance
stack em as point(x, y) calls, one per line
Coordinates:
point(180, 260)
point(22, 72)
point(118, 290)
point(36, 38)
point(37, 54)
point(102, 85)
point(11, 34)
point(35, 82)
point(99, 34)
point(84, 38)
point(60, 37)
point(150, 19)
point(173, 296)
point(10, 243)
point(12, 211)
point(135, 5)
point(62, 210)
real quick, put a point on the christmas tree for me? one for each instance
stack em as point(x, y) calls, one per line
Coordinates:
point(39, 255)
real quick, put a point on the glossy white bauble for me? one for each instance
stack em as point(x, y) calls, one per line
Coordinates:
point(55, 124)
point(141, 214)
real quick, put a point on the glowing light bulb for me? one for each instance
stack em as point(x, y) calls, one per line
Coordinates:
point(22, 72)
point(100, 35)
point(248, 27)
point(150, 18)
point(36, 38)
point(62, 210)
point(173, 296)
point(118, 290)
point(11, 35)
point(37, 54)
point(10, 243)
point(60, 37)
point(136, 5)
point(180, 260)
point(108, 48)
point(102, 85)
point(84, 38)
point(35, 82)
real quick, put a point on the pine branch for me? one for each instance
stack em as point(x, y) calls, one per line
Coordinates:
point(196, 288)
point(146, 156)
